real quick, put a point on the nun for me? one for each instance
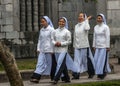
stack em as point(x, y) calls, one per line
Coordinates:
point(61, 40)
point(44, 49)
point(83, 58)
point(101, 45)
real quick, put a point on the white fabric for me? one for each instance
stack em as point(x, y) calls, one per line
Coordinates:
point(81, 35)
point(101, 38)
point(45, 40)
point(80, 60)
point(99, 59)
point(61, 35)
point(59, 59)
point(103, 17)
point(66, 22)
point(48, 21)
point(43, 66)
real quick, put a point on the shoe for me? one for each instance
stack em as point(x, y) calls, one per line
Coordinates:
point(34, 80)
point(67, 81)
point(75, 78)
point(55, 82)
point(63, 78)
point(90, 76)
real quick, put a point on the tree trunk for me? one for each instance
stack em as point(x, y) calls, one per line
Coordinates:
point(9, 63)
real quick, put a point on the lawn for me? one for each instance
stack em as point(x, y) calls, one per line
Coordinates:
point(23, 64)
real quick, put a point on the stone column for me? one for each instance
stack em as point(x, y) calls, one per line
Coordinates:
point(29, 15)
point(22, 15)
point(35, 15)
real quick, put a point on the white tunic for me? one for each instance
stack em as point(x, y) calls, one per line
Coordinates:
point(63, 36)
point(81, 35)
point(45, 40)
point(101, 37)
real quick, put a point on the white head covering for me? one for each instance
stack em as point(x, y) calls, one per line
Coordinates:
point(66, 22)
point(103, 17)
point(48, 20)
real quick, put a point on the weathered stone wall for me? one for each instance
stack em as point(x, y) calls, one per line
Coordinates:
point(113, 17)
point(21, 40)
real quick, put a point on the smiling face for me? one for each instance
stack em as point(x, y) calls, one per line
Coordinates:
point(99, 19)
point(43, 22)
point(81, 17)
point(61, 22)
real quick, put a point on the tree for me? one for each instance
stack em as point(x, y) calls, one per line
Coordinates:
point(10, 66)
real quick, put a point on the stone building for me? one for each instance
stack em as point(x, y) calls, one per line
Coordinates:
point(20, 21)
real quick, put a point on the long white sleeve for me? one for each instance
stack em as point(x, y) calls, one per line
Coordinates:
point(93, 39)
point(87, 26)
point(107, 33)
point(68, 41)
point(38, 45)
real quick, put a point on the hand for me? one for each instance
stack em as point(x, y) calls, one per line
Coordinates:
point(58, 44)
point(94, 48)
point(89, 17)
point(38, 51)
point(108, 49)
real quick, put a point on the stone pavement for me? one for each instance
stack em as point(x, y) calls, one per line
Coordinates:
point(115, 75)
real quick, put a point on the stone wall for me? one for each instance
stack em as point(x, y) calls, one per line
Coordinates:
point(113, 17)
point(21, 42)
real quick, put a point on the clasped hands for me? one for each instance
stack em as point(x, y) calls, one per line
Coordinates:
point(58, 44)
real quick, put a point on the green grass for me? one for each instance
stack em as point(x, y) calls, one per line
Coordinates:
point(104, 83)
point(23, 64)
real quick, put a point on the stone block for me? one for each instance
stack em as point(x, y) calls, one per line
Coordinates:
point(2, 35)
point(9, 20)
point(12, 35)
point(16, 41)
point(7, 28)
point(21, 35)
point(67, 6)
point(9, 7)
point(2, 22)
point(114, 4)
point(7, 14)
point(2, 8)
point(8, 1)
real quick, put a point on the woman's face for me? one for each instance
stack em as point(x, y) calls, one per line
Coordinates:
point(61, 22)
point(99, 19)
point(43, 22)
point(81, 17)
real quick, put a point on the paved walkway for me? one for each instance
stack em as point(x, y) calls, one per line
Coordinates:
point(83, 79)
